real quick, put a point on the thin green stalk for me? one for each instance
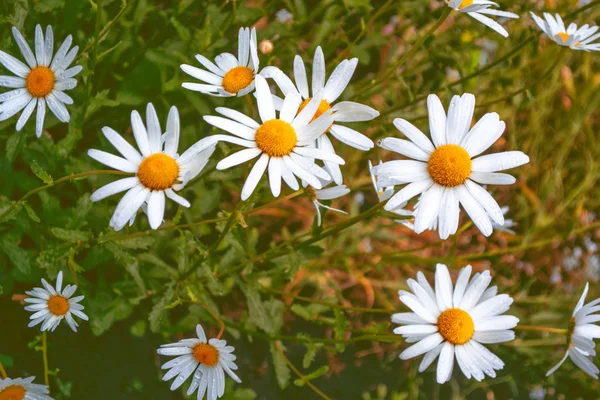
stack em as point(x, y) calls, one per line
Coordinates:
point(540, 329)
point(45, 358)
point(3, 371)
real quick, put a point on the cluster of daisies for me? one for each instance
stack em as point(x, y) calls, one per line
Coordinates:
point(291, 141)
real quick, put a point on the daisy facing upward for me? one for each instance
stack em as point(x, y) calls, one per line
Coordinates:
point(41, 82)
point(22, 389)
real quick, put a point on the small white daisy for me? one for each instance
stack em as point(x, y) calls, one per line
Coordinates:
point(343, 111)
point(446, 171)
point(478, 9)
point(51, 305)
point(39, 83)
point(451, 322)
point(285, 144)
point(206, 359)
point(572, 37)
point(22, 389)
point(230, 76)
point(580, 336)
point(159, 170)
point(330, 193)
point(384, 190)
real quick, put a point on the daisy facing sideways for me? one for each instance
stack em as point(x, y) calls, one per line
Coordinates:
point(329, 193)
point(449, 170)
point(39, 83)
point(230, 76)
point(453, 322)
point(480, 9)
point(332, 88)
point(206, 359)
point(51, 305)
point(284, 145)
point(572, 37)
point(23, 389)
point(159, 170)
point(580, 336)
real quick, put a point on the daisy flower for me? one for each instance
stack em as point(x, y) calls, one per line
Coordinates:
point(327, 194)
point(285, 144)
point(384, 192)
point(580, 336)
point(478, 9)
point(23, 389)
point(206, 359)
point(572, 37)
point(454, 322)
point(230, 76)
point(447, 171)
point(159, 170)
point(39, 83)
point(343, 111)
point(51, 305)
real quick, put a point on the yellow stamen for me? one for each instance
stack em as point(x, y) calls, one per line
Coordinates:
point(323, 107)
point(564, 36)
point(449, 165)
point(13, 392)
point(456, 326)
point(206, 354)
point(276, 138)
point(58, 305)
point(237, 78)
point(40, 81)
point(158, 171)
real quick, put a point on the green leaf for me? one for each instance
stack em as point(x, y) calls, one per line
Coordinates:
point(340, 328)
point(100, 100)
point(32, 215)
point(138, 329)
point(70, 235)
point(14, 145)
point(160, 309)
point(282, 371)
point(41, 173)
point(319, 372)
point(268, 316)
point(309, 312)
point(19, 258)
point(48, 5)
point(311, 353)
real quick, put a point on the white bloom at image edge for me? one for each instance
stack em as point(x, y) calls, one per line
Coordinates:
point(450, 170)
point(207, 360)
point(159, 170)
point(285, 145)
point(51, 305)
point(23, 389)
point(479, 9)
point(572, 37)
point(39, 83)
point(580, 336)
point(453, 323)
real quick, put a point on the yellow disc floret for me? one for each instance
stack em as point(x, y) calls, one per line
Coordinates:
point(58, 305)
point(237, 78)
point(456, 326)
point(40, 81)
point(323, 107)
point(449, 165)
point(13, 392)
point(276, 138)
point(465, 3)
point(206, 354)
point(158, 171)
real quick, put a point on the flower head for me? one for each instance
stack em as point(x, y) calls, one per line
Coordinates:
point(447, 171)
point(230, 76)
point(22, 389)
point(51, 305)
point(580, 336)
point(572, 37)
point(330, 193)
point(40, 82)
point(453, 322)
point(159, 170)
point(205, 359)
point(479, 9)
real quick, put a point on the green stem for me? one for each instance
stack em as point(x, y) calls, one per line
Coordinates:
point(3, 371)
point(540, 329)
point(45, 358)
point(231, 222)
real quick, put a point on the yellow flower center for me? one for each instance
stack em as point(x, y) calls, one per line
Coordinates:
point(237, 78)
point(158, 171)
point(58, 305)
point(13, 392)
point(206, 354)
point(456, 326)
point(276, 138)
point(449, 165)
point(465, 3)
point(564, 36)
point(323, 107)
point(40, 81)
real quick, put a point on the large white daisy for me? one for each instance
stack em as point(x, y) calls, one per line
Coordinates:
point(447, 171)
point(159, 170)
point(572, 37)
point(453, 323)
point(581, 334)
point(286, 145)
point(230, 76)
point(206, 359)
point(332, 88)
point(51, 305)
point(39, 83)
point(23, 389)
point(479, 9)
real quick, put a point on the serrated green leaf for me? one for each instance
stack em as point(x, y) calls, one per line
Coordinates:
point(32, 215)
point(70, 235)
point(159, 311)
point(14, 145)
point(319, 372)
point(311, 353)
point(19, 257)
point(282, 371)
point(41, 173)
